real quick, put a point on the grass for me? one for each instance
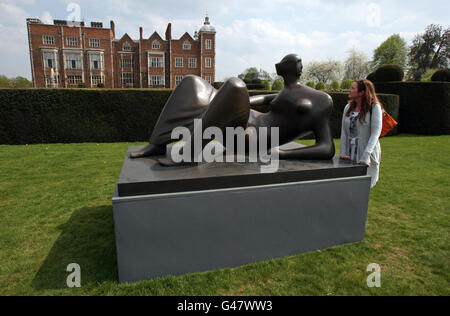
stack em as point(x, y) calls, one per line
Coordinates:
point(55, 209)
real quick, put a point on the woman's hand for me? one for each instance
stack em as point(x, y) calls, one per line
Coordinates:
point(345, 157)
point(368, 164)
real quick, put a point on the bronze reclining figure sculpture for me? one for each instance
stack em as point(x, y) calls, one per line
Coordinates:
point(296, 111)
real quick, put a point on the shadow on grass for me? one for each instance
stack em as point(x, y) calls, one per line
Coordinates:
point(86, 239)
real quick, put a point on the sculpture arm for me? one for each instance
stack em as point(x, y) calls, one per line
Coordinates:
point(259, 100)
point(323, 149)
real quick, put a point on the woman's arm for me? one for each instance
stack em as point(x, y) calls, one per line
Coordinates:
point(259, 100)
point(375, 132)
point(344, 137)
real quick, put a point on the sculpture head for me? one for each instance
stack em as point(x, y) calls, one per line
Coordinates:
point(290, 65)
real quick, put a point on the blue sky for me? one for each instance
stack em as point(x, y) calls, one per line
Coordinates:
point(249, 32)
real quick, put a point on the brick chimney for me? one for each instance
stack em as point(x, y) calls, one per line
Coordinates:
point(169, 32)
point(141, 31)
point(113, 29)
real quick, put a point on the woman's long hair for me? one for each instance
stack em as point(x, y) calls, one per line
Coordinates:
point(369, 99)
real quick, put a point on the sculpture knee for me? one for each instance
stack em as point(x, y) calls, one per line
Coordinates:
point(329, 151)
point(188, 79)
point(235, 83)
point(326, 149)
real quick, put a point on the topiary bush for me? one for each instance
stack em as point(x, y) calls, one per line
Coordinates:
point(335, 86)
point(346, 84)
point(255, 84)
point(388, 73)
point(442, 75)
point(320, 86)
point(372, 77)
point(218, 84)
point(311, 84)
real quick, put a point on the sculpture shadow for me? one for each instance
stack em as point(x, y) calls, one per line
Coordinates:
point(87, 239)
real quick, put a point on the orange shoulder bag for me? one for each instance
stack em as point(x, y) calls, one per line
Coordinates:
point(388, 123)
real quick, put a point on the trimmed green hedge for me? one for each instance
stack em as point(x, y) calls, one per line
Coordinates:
point(34, 116)
point(424, 106)
point(390, 103)
point(340, 100)
point(75, 116)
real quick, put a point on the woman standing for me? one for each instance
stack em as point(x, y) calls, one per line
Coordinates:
point(361, 128)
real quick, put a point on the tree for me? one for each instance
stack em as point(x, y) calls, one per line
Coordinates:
point(324, 71)
point(357, 65)
point(278, 84)
point(426, 77)
point(249, 73)
point(391, 51)
point(430, 50)
point(5, 82)
point(253, 73)
point(256, 79)
point(18, 82)
point(21, 82)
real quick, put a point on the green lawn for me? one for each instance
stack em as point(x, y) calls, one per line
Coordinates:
point(55, 209)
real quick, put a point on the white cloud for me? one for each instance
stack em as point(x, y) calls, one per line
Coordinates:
point(224, 11)
point(14, 52)
point(257, 42)
point(47, 18)
point(124, 7)
point(373, 15)
point(12, 14)
point(179, 26)
point(27, 2)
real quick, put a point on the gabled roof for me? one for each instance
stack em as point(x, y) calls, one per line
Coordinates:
point(127, 38)
point(186, 36)
point(155, 35)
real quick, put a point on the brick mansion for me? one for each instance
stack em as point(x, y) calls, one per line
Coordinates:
point(67, 54)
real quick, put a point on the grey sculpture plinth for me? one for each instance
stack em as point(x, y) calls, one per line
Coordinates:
point(183, 232)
